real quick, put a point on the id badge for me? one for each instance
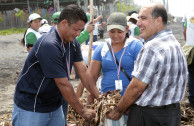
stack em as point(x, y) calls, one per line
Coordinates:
point(118, 85)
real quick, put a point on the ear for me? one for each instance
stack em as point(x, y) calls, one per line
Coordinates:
point(159, 20)
point(64, 22)
point(127, 28)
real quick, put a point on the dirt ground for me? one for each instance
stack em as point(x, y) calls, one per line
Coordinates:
point(12, 58)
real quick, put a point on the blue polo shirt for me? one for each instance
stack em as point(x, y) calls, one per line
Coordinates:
point(36, 89)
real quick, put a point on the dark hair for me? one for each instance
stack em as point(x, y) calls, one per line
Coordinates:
point(134, 21)
point(131, 12)
point(72, 13)
point(127, 34)
point(22, 41)
point(160, 11)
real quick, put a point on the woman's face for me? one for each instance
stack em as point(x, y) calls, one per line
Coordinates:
point(117, 35)
point(35, 24)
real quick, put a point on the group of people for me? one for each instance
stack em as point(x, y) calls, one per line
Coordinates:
point(151, 78)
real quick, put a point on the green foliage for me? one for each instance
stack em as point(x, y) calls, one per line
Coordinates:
point(125, 8)
point(20, 14)
point(12, 31)
point(1, 19)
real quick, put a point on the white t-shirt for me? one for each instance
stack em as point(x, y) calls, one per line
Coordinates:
point(44, 29)
point(190, 28)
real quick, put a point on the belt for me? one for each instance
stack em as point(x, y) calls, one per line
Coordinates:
point(173, 105)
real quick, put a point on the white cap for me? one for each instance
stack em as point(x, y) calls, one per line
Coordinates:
point(33, 16)
point(134, 16)
point(44, 21)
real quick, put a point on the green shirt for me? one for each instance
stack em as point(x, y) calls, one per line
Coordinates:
point(31, 38)
point(84, 35)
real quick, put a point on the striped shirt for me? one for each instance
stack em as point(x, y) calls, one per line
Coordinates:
point(161, 64)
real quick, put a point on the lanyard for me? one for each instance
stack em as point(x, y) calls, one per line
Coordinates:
point(68, 62)
point(67, 59)
point(119, 67)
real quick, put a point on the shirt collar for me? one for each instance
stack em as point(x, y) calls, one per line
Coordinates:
point(160, 33)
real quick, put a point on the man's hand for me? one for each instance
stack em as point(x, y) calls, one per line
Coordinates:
point(114, 114)
point(90, 27)
point(88, 114)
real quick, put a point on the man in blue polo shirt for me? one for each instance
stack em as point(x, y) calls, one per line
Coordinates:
point(44, 78)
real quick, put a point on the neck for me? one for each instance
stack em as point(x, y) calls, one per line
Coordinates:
point(118, 46)
point(59, 31)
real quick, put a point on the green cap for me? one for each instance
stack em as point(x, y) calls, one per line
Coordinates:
point(55, 17)
point(117, 20)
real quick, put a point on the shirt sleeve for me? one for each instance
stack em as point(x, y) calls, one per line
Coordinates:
point(84, 35)
point(52, 62)
point(185, 25)
point(138, 47)
point(97, 53)
point(31, 38)
point(136, 31)
point(146, 65)
point(77, 55)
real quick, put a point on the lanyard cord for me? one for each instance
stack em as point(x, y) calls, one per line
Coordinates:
point(119, 67)
point(68, 63)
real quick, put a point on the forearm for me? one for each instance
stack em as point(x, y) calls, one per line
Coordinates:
point(132, 93)
point(68, 93)
point(184, 33)
point(90, 85)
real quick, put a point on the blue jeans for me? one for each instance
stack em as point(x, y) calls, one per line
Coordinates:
point(191, 85)
point(22, 117)
point(65, 109)
point(95, 38)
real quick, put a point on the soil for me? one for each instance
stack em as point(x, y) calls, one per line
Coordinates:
point(12, 58)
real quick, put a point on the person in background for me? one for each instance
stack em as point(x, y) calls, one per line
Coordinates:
point(159, 76)
point(125, 49)
point(189, 37)
point(133, 28)
point(45, 27)
point(131, 12)
point(183, 20)
point(96, 25)
point(31, 34)
point(44, 79)
point(84, 35)
point(55, 18)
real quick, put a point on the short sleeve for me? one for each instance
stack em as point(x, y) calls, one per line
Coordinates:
point(97, 53)
point(52, 62)
point(138, 47)
point(84, 35)
point(185, 25)
point(31, 38)
point(136, 31)
point(77, 54)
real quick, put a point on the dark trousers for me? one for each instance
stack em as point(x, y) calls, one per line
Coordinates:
point(150, 116)
point(191, 85)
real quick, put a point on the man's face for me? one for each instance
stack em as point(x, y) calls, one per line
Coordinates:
point(71, 31)
point(147, 25)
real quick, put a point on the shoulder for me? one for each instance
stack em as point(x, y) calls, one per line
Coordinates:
point(133, 41)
